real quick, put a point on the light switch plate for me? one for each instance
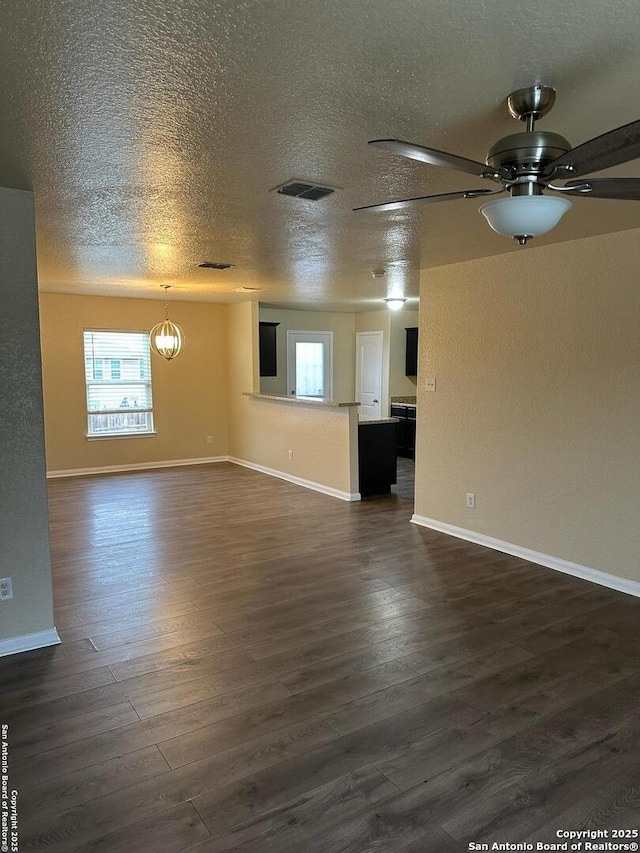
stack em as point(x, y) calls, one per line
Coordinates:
point(430, 384)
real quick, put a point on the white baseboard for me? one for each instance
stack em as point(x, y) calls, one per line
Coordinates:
point(594, 575)
point(134, 466)
point(29, 642)
point(205, 460)
point(298, 481)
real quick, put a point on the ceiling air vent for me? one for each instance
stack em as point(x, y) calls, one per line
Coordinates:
point(304, 189)
point(214, 265)
point(245, 289)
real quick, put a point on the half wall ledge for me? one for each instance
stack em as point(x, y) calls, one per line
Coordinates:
point(303, 401)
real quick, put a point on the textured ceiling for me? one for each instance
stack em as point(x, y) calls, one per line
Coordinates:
point(152, 131)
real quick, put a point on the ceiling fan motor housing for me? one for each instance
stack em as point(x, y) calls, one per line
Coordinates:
point(526, 164)
point(527, 153)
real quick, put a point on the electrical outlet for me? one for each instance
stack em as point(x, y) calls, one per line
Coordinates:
point(209, 439)
point(471, 500)
point(430, 384)
point(6, 589)
point(290, 455)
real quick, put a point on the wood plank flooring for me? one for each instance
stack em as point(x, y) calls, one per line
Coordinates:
point(250, 666)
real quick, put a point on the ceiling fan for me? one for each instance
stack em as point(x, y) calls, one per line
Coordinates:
point(526, 165)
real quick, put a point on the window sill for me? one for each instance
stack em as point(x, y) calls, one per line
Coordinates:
point(120, 435)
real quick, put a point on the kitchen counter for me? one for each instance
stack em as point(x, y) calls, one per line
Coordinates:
point(306, 401)
point(378, 421)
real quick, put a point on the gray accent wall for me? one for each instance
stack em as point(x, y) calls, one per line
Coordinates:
point(24, 530)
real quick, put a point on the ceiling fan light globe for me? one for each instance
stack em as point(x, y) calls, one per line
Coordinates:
point(528, 216)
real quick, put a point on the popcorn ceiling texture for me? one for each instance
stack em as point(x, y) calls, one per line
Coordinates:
point(152, 131)
point(24, 531)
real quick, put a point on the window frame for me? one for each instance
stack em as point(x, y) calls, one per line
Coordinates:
point(106, 372)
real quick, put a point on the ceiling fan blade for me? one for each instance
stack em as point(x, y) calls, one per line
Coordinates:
point(621, 188)
point(427, 199)
point(610, 149)
point(436, 158)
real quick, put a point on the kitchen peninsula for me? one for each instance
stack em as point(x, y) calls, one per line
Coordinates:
point(320, 444)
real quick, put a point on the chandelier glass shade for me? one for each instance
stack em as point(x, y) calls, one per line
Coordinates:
point(167, 338)
point(525, 215)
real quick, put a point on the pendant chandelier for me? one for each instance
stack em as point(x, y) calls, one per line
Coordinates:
point(167, 338)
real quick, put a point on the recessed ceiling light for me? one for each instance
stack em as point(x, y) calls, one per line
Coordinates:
point(215, 265)
point(395, 302)
point(379, 273)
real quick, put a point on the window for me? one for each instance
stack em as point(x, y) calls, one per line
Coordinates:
point(117, 369)
point(309, 369)
point(309, 358)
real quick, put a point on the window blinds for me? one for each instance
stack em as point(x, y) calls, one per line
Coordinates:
point(118, 382)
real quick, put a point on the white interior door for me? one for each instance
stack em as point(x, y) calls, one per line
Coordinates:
point(369, 374)
point(309, 364)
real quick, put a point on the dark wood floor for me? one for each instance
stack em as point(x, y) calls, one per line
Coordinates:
point(405, 487)
point(251, 666)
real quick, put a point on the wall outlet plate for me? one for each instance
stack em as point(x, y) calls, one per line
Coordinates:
point(6, 589)
point(430, 383)
point(471, 500)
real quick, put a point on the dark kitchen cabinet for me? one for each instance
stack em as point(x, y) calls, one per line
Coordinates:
point(400, 412)
point(411, 353)
point(268, 349)
point(411, 437)
point(405, 429)
point(377, 457)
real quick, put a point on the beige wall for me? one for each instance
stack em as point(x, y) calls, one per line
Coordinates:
point(189, 394)
point(198, 394)
point(242, 319)
point(401, 385)
point(537, 408)
point(343, 327)
point(379, 321)
point(24, 529)
point(323, 439)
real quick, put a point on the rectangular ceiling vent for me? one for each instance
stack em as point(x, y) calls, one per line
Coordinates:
point(215, 265)
point(304, 189)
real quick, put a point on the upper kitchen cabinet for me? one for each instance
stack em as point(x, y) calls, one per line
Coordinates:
point(268, 349)
point(411, 357)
